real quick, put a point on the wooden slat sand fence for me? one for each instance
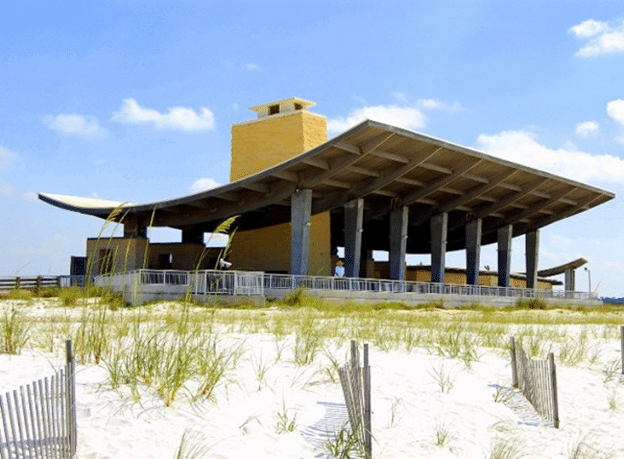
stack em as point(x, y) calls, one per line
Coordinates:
point(39, 420)
point(537, 379)
point(356, 387)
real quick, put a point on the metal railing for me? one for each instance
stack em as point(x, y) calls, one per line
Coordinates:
point(204, 282)
point(215, 282)
point(254, 283)
point(292, 282)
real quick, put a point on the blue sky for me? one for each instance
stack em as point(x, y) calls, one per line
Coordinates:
point(133, 101)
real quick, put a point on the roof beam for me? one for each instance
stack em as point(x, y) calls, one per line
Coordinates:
point(363, 171)
point(435, 167)
point(335, 167)
point(390, 156)
point(476, 178)
point(387, 176)
point(450, 190)
point(430, 188)
point(536, 208)
point(344, 146)
point(317, 162)
point(474, 193)
point(513, 197)
point(286, 175)
point(256, 186)
point(409, 181)
point(337, 183)
point(582, 204)
point(376, 142)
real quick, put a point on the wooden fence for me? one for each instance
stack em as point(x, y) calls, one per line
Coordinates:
point(39, 420)
point(356, 387)
point(537, 379)
point(8, 283)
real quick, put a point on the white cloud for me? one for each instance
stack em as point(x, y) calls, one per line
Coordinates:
point(180, 118)
point(73, 124)
point(203, 184)
point(406, 117)
point(522, 147)
point(586, 129)
point(409, 116)
point(253, 67)
point(30, 196)
point(400, 97)
point(7, 158)
point(6, 189)
point(435, 104)
point(615, 109)
point(603, 37)
point(588, 28)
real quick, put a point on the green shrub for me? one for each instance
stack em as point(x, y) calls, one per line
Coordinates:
point(69, 296)
point(532, 303)
point(13, 331)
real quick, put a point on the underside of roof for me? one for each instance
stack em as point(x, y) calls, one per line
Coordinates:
point(388, 167)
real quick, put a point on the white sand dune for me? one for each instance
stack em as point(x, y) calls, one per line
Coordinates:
point(409, 409)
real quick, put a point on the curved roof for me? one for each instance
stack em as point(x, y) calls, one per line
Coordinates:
point(562, 268)
point(388, 167)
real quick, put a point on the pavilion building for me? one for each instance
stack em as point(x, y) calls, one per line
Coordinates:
point(299, 196)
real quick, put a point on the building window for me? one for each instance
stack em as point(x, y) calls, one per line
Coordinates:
point(273, 109)
point(298, 106)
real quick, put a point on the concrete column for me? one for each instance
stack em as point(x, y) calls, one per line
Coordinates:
point(353, 221)
point(133, 227)
point(300, 222)
point(504, 255)
point(192, 235)
point(439, 229)
point(570, 280)
point(531, 253)
point(473, 251)
point(398, 242)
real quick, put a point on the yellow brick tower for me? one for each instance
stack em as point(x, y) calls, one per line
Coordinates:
point(283, 130)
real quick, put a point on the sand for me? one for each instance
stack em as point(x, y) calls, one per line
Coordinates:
point(246, 415)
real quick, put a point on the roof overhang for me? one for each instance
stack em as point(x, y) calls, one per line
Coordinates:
point(388, 167)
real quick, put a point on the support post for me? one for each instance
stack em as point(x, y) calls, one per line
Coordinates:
point(398, 242)
point(439, 230)
point(504, 255)
point(133, 228)
point(300, 221)
point(531, 254)
point(570, 280)
point(353, 227)
point(473, 251)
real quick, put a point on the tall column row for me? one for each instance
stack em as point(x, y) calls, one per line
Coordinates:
point(301, 205)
